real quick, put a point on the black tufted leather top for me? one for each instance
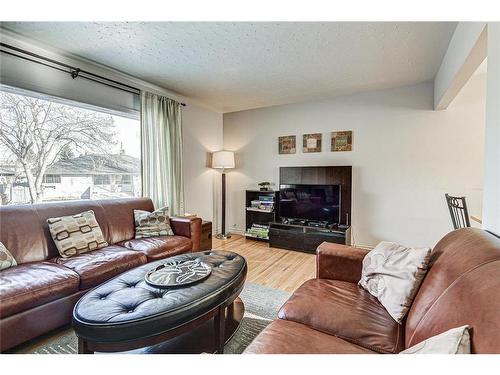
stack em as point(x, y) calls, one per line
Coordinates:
point(126, 308)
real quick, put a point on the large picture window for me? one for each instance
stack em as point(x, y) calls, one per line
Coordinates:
point(53, 151)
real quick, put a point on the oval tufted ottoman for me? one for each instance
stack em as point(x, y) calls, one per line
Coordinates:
point(125, 313)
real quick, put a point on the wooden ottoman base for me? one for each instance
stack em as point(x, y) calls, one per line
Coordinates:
point(209, 336)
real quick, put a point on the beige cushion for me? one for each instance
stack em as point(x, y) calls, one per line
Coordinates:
point(152, 224)
point(393, 273)
point(76, 234)
point(453, 341)
point(6, 258)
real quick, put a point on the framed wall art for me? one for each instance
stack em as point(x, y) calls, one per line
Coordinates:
point(287, 144)
point(342, 141)
point(311, 142)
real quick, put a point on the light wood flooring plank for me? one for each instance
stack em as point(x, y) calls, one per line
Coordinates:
point(272, 267)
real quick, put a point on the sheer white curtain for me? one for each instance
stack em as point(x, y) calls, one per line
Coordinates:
point(162, 178)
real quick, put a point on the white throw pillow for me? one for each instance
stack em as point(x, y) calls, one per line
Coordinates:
point(152, 224)
point(453, 341)
point(76, 234)
point(6, 258)
point(393, 273)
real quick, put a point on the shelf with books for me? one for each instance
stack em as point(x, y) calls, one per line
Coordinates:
point(260, 209)
point(256, 237)
point(262, 204)
point(258, 231)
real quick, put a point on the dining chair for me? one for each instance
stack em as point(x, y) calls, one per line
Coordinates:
point(458, 211)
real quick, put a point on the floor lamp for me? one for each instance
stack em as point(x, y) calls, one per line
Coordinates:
point(223, 160)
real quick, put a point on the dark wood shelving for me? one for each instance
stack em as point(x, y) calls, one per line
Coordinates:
point(255, 216)
point(305, 238)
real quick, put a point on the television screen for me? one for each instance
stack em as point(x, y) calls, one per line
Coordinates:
point(310, 202)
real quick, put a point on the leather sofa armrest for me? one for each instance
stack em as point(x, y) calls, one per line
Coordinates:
point(188, 227)
point(339, 262)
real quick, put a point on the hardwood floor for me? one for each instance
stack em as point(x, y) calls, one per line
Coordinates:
point(272, 267)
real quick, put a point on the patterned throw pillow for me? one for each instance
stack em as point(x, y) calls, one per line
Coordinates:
point(6, 258)
point(393, 273)
point(152, 224)
point(76, 234)
point(453, 341)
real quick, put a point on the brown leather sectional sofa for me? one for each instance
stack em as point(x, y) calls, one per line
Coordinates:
point(331, 314)
point(39, 294)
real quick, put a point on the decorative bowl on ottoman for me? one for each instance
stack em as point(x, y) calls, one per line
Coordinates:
point(125, 313)
point(177, 273)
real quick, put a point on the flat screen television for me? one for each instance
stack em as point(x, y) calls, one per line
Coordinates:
point(310, 202)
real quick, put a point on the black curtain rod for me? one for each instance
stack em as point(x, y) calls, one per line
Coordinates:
point(74, 72)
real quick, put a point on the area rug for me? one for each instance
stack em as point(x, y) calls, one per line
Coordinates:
point(261, 307)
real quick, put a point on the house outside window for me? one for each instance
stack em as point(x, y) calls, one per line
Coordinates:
point(52, 179)
point(126, 179)
point(102, 179)
point(86, 153)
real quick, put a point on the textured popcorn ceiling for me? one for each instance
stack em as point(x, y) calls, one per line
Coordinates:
point(236, 66)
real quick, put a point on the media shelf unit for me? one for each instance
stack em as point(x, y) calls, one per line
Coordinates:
point(259, 216)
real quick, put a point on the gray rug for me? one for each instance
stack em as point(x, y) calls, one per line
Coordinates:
point(261, 307)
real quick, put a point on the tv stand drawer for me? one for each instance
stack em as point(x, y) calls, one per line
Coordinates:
point(307, 239)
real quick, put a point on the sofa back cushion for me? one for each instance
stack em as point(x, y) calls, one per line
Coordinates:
point(120, 217)
point(25, 232)
point(461, 288)
point(22, 233)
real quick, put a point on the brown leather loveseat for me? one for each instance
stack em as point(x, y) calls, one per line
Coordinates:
point(39, 294)
point(331, 314)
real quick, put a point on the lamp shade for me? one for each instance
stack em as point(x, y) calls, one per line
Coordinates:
point(223, 159)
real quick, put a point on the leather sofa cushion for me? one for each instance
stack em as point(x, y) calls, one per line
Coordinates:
point(461, 288)
point(26, 234)
point(22, 233)
point(287, 337)
point(156, 248)
point(33, 284)
point(120, 216)
point(100, 265)
point(347, 311)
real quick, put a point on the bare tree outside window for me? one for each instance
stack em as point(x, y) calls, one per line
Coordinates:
point(41, 137)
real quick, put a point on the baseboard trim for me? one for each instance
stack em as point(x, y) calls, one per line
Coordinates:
point(237, 231)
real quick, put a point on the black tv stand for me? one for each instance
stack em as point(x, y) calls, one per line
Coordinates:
point(317, 224)
point(306, 238)
point(299, 234)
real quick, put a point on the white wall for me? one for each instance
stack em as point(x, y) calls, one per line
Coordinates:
point(202, 127)
point(405, 157)
point(466, 51)
point(491, 215)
